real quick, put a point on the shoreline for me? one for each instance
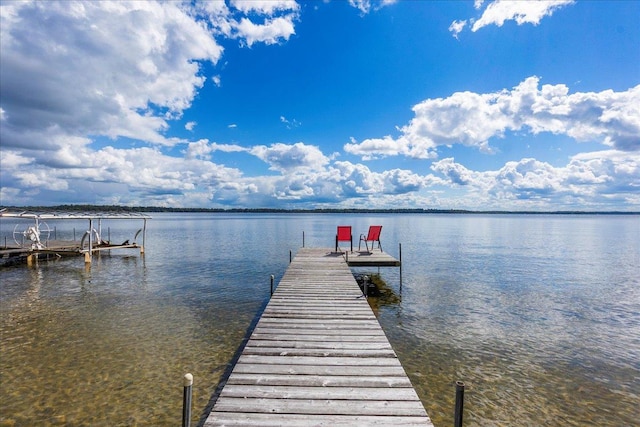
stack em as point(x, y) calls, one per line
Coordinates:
point(151, 209)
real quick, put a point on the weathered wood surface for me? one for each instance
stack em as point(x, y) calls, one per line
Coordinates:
point(373, 258)
point(317, 357)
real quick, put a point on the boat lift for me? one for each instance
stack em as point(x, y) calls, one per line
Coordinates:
point(34, 239)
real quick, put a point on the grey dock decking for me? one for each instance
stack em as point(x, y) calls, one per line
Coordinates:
point(374, 258)
point(318, 356)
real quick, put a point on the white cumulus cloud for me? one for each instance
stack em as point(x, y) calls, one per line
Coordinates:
point(116, 68)
point(365, 6)
point(100, 68)
point(588, 180)
point(265, 7)
point(271, 32)
point(520, 11)
point(287, 158)
point(472, 119)
point(456, 27)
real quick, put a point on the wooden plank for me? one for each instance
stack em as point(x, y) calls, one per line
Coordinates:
point(309, 420)
point(321, 344)
point(377, 371)
point(318, 356)
point(354, 380)
point(320, 406)
point(315, 352)
point(319, 361)
point(304, 330)
point(307, 392)
point(311, 335)
point(327, 324)
point(329, 311)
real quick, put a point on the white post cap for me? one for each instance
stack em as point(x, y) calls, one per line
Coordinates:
point(188, 380)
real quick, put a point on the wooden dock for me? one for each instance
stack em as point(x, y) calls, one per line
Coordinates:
point(55, 250)
point(318, 357)
point(373, 258)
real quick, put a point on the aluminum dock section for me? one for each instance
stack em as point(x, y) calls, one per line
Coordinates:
point(318, 357)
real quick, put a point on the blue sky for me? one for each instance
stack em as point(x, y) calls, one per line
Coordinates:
point(508, 105)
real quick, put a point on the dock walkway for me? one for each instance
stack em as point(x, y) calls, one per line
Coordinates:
point(318, 356)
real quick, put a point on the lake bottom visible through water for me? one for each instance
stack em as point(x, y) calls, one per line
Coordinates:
point(538, 316)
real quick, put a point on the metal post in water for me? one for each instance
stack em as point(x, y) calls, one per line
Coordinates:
point(144, 236)
point(187, 382)
point(272, 277)
point(55, 233)
point(457, 416)
point(400, 254)
point(290, 258)
point(303, 239)
point(108, 234)
point(74, 234)
point(89, 253)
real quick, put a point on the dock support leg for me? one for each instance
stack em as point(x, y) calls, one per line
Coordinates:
point(272, 278)
point(31, 259)
point(457, 417)
point(186, 400)
point(144, 236)
point(89, 253)
point(400, 256)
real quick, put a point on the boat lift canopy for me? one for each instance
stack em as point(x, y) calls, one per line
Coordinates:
point(94, 241)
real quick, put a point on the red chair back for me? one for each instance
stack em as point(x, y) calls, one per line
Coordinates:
point(344, 232)
point(374, 233)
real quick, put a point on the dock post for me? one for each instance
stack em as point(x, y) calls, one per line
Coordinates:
point(400, 256)
point(272, 277)
point(457, 416)
point(144, 236)
point(365, 286)
point(303, 239)
point(89, 253)
point(186, 400)
point(290, 257)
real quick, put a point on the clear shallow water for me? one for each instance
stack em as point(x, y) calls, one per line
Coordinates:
point(538, 315)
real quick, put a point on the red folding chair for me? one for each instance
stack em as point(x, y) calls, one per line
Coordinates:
point(373, 236)
point(344, 234)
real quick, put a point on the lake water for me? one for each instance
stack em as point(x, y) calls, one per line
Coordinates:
point(539, 315)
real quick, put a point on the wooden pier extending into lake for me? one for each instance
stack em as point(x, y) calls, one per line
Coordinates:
point(318, 356)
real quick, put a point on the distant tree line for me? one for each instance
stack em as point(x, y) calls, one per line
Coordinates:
point(142, 209)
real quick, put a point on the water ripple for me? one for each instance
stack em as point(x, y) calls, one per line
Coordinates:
point(539, 316)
